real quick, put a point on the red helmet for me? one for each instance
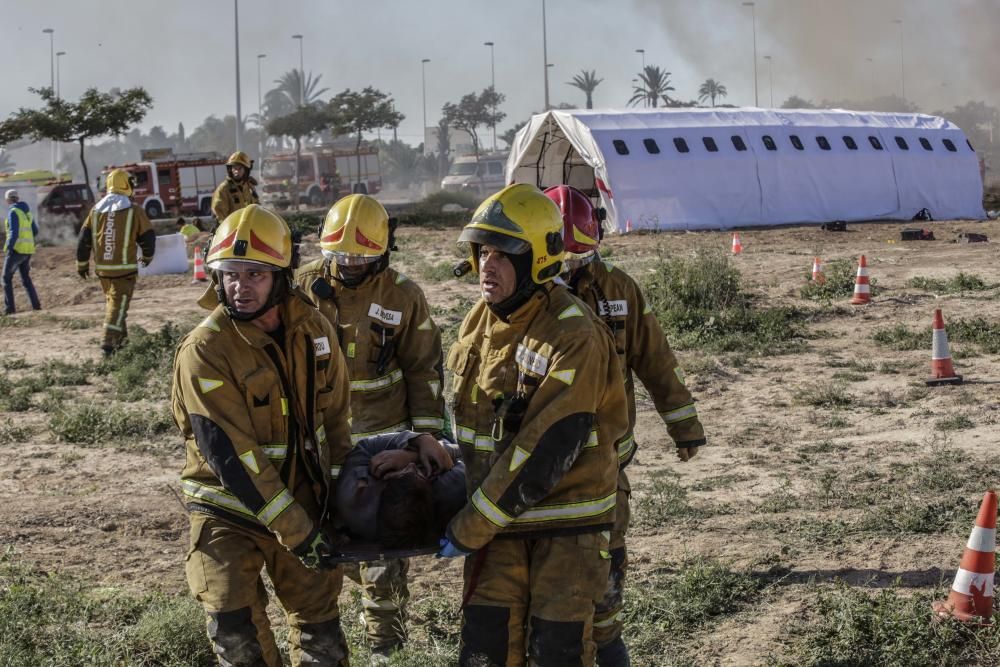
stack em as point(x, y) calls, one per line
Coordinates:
point(581, 228)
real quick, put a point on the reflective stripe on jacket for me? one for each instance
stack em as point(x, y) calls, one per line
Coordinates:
point(266, 429)
point(643, 349)
point(556, 471)
point(392, 348)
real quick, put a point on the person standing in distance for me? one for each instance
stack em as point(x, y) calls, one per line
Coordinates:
point(18, 248)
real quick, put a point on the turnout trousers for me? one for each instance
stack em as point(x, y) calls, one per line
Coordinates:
point(117, 297)
point(608, 617)
point(223, 572)
point(531, 601)
point(384, 599)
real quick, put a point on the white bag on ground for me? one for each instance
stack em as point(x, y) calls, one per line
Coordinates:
point(170, 257)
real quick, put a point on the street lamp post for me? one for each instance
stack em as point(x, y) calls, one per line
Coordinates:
point(753, 15)
point(59, 54)
point(52, 84)
point(493, 86)
point(642, 77)
point(423, 92)
point(545, 57)
point(770, 77)
point(302, 73)
point(239, 111)
point(260, 109)
point(902, 69)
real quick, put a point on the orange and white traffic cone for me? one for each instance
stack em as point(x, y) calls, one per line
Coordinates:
point(199, 267)
point(942, 371)
point(862, 289)
point(971, 596)
point(628, 225)
point(737, 246)
point(818, 276)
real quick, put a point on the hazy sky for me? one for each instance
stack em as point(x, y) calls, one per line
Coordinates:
point(182, 51)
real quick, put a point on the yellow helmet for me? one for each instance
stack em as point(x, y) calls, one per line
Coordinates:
point(239, 157)
point(356, 231)
point(251, 235)
point(119, 182)
point(517, 219)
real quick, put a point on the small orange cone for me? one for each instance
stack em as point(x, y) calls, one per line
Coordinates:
point(971, 596)
point(199, 267)
point(862, 289)
point(628, 225)
point(737, 246)
point(818, 276)
point(942, 371)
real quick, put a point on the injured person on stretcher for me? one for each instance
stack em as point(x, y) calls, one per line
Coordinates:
point(396, 494)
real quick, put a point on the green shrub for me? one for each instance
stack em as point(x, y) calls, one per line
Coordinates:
point(957, 284)
point(663, 502)
point(701, 303)
point(978, 332)
point(142, 368)
point(901, 337)
point(48, 619)
point(107, 423)
point(855, 626)
point(303, 223)
point(12, 433)
point(840, 276)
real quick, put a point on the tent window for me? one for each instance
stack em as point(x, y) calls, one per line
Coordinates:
point(901, 142)
point(926, 144)
point(876, 144)
point(850, 143)
point(651, 146)
point(738, 143)
point(823, 143)
point(796, 142)
point(710, 144)
point(620, 147)
point(769, 143)
point(950, 145)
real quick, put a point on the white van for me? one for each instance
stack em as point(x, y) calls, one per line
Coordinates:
point(481, 178)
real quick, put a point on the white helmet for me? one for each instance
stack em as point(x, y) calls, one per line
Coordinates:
point(11, 194)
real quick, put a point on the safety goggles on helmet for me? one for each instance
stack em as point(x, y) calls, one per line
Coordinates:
point(576, 260)
point(346, 259)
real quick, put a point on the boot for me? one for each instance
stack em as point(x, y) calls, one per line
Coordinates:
point(614, 654)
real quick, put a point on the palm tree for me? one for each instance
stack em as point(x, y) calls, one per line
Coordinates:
point(587, 82)
point(290, 85)
point(656, 85)
point(710, 90)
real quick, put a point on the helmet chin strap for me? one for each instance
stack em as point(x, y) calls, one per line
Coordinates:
point(278, 292)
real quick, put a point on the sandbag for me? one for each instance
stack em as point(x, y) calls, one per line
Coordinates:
point(170, 257)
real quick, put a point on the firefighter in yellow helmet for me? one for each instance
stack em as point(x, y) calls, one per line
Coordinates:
point(393, 351)
point(538, 408)
point(111, 231)
point(643, 350)
point(261, 395)
point(238, 190)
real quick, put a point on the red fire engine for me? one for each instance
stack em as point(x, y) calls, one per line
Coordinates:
point(181, 183)
point(326, 173)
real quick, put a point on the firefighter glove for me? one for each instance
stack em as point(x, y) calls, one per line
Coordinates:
point(449, 550)
point(144, 261)
point(317, 551)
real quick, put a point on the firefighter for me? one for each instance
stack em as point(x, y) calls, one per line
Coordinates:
point(261, 395)
point(643, 351)
point(538, 409)
point(238, 190)
point(393, 351)
point(111, 230)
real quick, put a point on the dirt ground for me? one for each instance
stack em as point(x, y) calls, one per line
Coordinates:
point(112, 515)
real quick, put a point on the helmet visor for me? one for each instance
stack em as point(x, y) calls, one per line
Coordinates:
point(504, 243)
point(575, 260)
point(239, 265)
point(347, 259)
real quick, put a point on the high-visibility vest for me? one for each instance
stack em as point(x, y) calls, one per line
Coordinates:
point(25, 243)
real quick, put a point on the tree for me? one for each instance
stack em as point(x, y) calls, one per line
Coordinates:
point(352, 112)
point(300, 123)
point(796, 102)
point(473, 111)
point(96, 114)
point(291, 88)
point(710, 90)
point(587, 82)
point(508, 136)
point(655, 85)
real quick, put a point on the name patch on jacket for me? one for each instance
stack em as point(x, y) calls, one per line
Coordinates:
point(393, 317)
point(612, 308)
point(322, 345)
point(531, 361)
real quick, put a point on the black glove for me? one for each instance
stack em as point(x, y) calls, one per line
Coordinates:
point(317, 551)
point(144, 261)
point(83, 273)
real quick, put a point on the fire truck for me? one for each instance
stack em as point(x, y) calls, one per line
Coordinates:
point(326, 173)
point(180, 183)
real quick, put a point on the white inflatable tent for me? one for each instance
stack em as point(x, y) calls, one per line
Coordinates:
point(718, 168)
